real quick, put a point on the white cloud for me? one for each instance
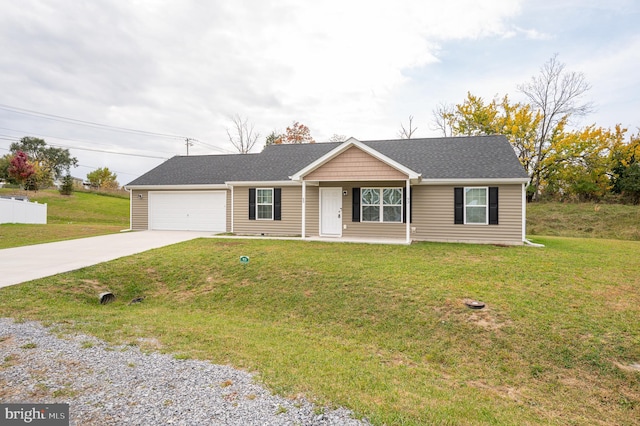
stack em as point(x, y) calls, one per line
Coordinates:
point(183, 67)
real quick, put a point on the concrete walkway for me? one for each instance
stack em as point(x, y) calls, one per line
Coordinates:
point(28, 263)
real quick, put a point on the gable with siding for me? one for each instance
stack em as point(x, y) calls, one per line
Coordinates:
point(352, 165)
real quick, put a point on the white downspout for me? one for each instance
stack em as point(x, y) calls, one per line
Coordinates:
point(407, 194)
point(304, 208)
point(130, 208)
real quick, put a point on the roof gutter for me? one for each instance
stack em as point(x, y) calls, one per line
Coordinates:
point(264, 183)
point(170, 187)
point(473, 181)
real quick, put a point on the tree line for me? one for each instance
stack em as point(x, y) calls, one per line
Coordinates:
point(34, 165)
point(590, 163)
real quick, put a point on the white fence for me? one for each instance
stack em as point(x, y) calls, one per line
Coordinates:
point(19, 211)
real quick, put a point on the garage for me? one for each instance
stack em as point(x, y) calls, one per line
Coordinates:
point(188, 210)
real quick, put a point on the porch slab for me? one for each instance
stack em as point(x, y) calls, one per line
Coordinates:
point(360, 240)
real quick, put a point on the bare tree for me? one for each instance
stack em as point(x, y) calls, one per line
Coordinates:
point(443, 117)
point(242, 135)
point(407, 133)
point(557, 95)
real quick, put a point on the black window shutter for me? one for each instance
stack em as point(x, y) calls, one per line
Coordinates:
point(277, 203)
point(355, 211)
point(252, 204)
point(404, 206)
point(493, 205)
point(458, 210)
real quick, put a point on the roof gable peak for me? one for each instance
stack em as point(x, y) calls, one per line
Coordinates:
point(353, 142)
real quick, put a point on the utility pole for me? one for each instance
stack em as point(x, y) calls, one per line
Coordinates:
point(188, 143)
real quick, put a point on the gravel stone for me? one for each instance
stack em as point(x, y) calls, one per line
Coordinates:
point(117, 385)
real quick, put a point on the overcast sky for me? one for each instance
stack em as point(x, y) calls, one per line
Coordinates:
point(355, 68)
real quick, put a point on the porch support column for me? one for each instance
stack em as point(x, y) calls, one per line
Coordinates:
point(407, 194)
point(232, 203)
point(304, 208)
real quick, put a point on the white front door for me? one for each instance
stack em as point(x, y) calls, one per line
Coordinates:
point(331, 212)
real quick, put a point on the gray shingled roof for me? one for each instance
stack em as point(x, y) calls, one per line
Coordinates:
point(435, 158)
point(455, 158)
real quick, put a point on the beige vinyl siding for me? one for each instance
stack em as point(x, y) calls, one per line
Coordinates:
point(291, 213)
point(366, 229)
point(139, 210)
point(313, 211)
point(433, 211)
point(354, 164)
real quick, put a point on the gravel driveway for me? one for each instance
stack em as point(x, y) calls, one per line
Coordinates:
point(118, 385)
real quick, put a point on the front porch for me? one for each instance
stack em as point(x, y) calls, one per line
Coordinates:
point(357, 240)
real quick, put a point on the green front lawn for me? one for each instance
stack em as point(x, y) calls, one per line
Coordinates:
point(383, 330)
point(83, 214)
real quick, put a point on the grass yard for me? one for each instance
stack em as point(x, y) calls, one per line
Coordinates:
point(383, 329)
point(584, 220)
point(82, 214)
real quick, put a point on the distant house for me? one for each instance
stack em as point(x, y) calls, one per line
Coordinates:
point(77, 182)
point(463, 189)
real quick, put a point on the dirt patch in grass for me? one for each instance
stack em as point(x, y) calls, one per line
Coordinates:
point(485, 320)
point(508, 392)
point(244, 283)
point(182, 295)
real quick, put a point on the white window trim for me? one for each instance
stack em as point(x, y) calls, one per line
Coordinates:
point(381, 205)
point(486, 205)
point(264, 204)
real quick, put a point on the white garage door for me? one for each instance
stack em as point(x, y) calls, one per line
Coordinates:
point(188, 210)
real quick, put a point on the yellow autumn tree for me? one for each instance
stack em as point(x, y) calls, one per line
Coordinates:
point(580, 163)
point(553, 97)
point(517, 121)
point(626, 170)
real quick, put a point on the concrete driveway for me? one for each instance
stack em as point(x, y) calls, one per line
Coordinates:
point(28, 263)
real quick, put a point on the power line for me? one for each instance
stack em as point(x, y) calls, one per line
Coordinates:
point(95, 150)
point(75, 140)
point(101, 126)
point(226, 151)
point(60, 118)
point(109, 152)
point(25, 132)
